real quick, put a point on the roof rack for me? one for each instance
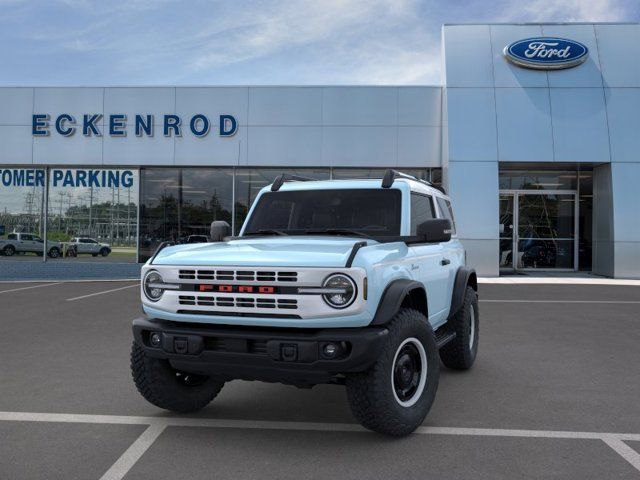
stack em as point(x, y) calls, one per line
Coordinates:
point(285, 177)
point(390, 175)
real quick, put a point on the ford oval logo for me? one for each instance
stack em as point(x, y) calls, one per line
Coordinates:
point(546, 53)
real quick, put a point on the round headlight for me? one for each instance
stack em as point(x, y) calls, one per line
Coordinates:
point(344, 291)
point(150, 286)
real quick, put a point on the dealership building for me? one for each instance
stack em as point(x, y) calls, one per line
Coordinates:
point(534, 133)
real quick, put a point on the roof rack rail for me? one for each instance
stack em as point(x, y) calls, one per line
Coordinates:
point(390, 175)
point(285, 177)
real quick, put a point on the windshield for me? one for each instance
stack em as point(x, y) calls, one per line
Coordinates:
point(369, 212)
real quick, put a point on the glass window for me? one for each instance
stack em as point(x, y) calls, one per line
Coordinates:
point(538, 180)
point(421, 210)
point(100, 205)
point(206, 196)
point(585, 220)
point(21, 205)
point(447, 211)
point(249, 182)
point(178, 203)
point(372, 212)
point(353, 173)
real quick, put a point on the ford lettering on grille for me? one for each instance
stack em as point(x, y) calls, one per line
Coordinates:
point(236, 288)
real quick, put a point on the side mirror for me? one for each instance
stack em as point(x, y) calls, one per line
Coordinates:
point(219, 230)
point(435, 231)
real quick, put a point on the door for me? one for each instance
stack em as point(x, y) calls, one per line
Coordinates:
point(546, 234)
point(428, 263)
point(537, 230)
point(507, 231)
point(26, 243)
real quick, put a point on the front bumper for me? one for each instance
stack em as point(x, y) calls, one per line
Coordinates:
point(292, 356)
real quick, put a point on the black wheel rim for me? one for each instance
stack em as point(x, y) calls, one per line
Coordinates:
point(190, 379)
point(406, 372)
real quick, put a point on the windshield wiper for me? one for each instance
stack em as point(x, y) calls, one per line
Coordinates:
point(266, 231)
point(338, 231)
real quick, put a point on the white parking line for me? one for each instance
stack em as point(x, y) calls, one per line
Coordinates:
point(158, 424)
point(624, 450)
point(29, 288)
point(631, 302)
point(102, 293)
point(132, 454)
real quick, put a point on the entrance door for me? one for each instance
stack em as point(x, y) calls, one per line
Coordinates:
point(507, 231)
point(538, 230)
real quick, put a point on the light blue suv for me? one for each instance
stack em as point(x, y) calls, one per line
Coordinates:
point(360, 283)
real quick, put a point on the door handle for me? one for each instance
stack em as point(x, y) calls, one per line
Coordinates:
point(445, 261)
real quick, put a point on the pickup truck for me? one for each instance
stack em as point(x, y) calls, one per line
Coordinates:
point(89, 245)
point(28, 243)
point(361, 283)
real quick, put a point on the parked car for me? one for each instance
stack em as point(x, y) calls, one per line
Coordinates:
point(358, 283)
point(28, 243)
point(89, 246)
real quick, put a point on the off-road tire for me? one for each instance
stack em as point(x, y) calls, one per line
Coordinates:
point(54, 252)
point(9, 250)
point(459, 354)
point(161, 386)
point(371, 393)
point(104, 252)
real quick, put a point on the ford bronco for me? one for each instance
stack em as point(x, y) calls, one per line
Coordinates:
point(361, 283)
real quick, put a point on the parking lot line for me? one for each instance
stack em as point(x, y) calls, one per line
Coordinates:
point(29, 288)
point(158, 424)
point(128, 459)
point(631, 302)
point(309, 426)
point(624, 450)
point(102, 293)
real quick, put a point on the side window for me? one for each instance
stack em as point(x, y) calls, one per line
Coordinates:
point(447, 211)
point(421, 210)
point(25, 238)
point(12, 236)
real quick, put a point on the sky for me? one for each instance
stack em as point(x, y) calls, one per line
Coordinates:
point(253, 42)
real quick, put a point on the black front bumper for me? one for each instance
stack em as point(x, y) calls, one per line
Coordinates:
point(293, 356)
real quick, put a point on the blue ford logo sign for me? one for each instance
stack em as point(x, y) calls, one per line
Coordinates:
point(546, 53)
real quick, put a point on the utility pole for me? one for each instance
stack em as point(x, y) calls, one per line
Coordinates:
point(113, 193)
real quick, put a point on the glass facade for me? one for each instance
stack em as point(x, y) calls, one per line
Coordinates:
point(178, 203)
point(90, 214)
point(545, 218)
point(132, 211)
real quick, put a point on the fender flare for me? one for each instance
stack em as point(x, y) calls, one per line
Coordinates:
point(394, 296)
point(464, 277)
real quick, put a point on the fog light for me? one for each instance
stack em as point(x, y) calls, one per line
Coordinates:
point(330, 350)
point(155, 340)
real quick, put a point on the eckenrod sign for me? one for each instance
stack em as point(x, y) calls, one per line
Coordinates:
point(115, 125)
point(546, 53)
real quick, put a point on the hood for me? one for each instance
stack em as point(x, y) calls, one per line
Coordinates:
point(294, 251)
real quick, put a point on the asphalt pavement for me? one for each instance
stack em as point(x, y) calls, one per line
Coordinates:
point(554, 394)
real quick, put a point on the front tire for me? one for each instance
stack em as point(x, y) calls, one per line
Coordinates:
point(54, 252)
point(394, 396)
point(460, 353)
point(104, 252)
point(167, 388)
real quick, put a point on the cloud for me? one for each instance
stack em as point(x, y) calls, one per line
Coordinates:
point(255, 42)
point(568, 11)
